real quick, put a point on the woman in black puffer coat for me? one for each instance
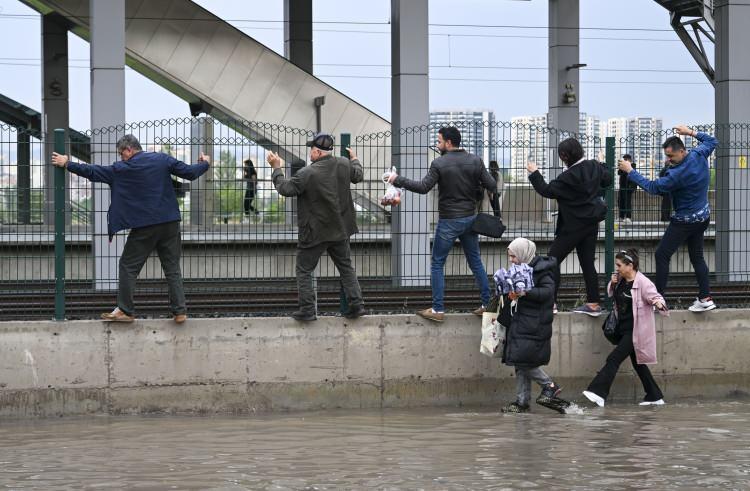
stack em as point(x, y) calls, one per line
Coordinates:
point(528, 339)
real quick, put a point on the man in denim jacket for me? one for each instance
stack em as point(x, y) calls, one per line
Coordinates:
point(686, 181)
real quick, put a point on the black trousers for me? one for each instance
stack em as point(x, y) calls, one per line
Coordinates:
point(248, 201)
point(495, 203)
point(165, 239)
point(675, 235)
point(626, 203)
point(307, 261)
point(584, 242)
point(624, 349)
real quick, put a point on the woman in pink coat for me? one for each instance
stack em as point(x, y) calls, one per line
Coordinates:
point(635, 298)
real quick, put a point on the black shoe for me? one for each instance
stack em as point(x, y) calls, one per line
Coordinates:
point(355, 312)
point(549, 392)
point(515, 407)
point(298, 315)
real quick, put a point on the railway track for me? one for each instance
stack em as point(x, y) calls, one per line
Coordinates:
point(269, 298)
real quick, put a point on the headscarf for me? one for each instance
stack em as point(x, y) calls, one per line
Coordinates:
point(523, 249)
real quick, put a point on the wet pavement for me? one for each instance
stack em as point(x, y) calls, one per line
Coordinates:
point(678, 446)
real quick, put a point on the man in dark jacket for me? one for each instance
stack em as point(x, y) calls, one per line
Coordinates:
point(458, 175)
point(627, 188)
point(325, 219)
point(143, 200)
point(581, 208)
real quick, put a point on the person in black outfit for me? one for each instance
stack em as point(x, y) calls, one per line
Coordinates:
point(625, 284)
point(250, 175)
point(581, 208)
point(496, 196)
point(627, 188)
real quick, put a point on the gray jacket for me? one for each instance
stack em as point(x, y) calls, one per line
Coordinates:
point(460, 176)
point(325, 211)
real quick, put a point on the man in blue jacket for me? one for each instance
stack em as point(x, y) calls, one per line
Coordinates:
point(144, 201)
point(686, 181)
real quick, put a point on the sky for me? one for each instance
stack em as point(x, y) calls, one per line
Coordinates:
point(487, 54)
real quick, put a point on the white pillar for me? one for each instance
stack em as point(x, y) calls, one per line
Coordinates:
point(107, 110)
point(410, 239)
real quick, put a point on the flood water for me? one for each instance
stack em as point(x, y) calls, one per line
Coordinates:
point(679, 446)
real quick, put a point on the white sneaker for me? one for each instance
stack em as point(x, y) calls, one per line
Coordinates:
point(701, 306)
point(594, 398)
point(660, 402)
point(627, 221)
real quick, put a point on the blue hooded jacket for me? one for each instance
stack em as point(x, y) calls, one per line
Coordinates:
point(141, 187)
point(687, 182)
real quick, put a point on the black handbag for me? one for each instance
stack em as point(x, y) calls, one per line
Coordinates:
point(609, 328)
point(488, 225)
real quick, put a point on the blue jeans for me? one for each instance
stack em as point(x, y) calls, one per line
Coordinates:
point(446, 233)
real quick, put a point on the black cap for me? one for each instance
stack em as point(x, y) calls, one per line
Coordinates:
point(323, 141)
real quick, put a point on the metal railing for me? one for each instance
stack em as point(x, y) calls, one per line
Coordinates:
point(235, 239)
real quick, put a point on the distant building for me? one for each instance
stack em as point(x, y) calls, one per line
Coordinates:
point(592, 137)
point(478, 131)
point(529, 141)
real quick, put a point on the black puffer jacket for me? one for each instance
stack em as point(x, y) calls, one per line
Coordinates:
point(527, 342)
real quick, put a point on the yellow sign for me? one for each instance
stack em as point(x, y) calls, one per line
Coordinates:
point(743, 162)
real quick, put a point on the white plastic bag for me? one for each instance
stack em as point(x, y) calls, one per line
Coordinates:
point(392, 196)
point(493, 335)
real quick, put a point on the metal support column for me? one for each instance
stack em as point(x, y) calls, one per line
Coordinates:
point(732, 17)
point(23, 197)
point(202, 189)
point(107, 111)
point(564, 83)
point(609, 223)
point(410, 239)
point(298, 31)
point(55, 106)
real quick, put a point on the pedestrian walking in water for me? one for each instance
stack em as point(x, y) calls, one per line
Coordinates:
point(581, 208)
point(686, 181)
point(326, 218)
point(529, 337)
point(143, 200)
point(459, 175)
point(634, 300)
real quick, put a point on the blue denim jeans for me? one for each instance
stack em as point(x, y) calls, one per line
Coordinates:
point(446, 233)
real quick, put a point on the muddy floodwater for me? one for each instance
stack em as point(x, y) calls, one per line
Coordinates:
point(678, 446)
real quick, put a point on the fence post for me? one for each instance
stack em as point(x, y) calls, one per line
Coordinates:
point(609, 223)
point(346, 141)
point(59, 180)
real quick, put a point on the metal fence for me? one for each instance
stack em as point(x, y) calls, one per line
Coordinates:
point(239, 235)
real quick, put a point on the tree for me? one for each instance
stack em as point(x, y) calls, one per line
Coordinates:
point(225, 170)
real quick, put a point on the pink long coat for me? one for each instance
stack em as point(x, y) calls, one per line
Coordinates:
point(644, 326)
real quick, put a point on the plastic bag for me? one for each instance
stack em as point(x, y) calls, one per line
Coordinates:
point(392, 196)
point(518, 278)
point(493, 335)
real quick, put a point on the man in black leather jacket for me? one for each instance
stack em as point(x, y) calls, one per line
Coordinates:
point(458, 175)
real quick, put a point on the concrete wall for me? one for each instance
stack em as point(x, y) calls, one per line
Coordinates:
point(250, 365)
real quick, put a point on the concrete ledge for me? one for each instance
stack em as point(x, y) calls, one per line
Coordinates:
point(248, 365)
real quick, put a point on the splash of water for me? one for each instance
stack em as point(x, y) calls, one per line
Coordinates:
point(574, 409)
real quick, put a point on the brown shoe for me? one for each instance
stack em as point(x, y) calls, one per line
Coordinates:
point(479, 311)
point(117, 315)
point(180, 318)
point(433, 316)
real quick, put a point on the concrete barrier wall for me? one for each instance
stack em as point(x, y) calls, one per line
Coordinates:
point(248, 365)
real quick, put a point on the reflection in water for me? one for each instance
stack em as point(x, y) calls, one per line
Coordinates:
point(675, 446)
